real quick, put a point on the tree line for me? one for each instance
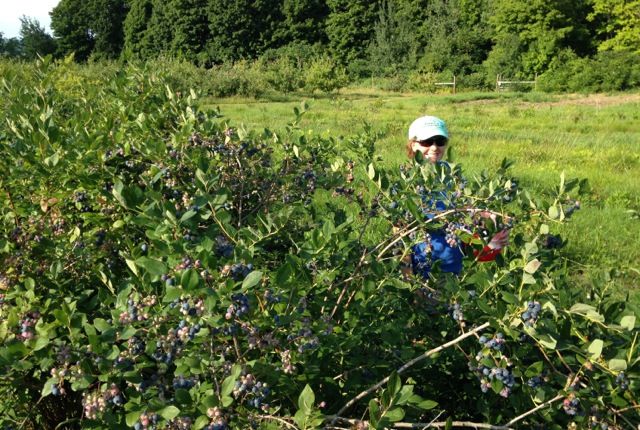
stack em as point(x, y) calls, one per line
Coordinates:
point(368, 37)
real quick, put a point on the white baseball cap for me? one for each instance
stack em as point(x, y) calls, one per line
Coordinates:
point(426, 127)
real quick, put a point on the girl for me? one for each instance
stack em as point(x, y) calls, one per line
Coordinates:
point(429, 136)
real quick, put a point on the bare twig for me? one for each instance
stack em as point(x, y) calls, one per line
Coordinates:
point(410, 364)
point(433, 424)
point(537, 408)
point(275, 418)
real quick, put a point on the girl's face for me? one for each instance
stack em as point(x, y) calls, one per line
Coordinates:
point(432, 148)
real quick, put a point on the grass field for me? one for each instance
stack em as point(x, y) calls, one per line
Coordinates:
point(595, 137)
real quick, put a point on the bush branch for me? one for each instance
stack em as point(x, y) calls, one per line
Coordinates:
point(433, 424)
point(537, 408)
point(409, 364)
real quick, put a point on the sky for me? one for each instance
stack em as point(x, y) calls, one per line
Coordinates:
point(12, 10)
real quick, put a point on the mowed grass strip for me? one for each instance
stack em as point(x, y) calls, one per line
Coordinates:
point(595, 137)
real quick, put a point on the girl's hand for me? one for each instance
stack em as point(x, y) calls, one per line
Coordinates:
point(500, 240)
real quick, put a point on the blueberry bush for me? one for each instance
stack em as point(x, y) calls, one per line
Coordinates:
point(162, 269)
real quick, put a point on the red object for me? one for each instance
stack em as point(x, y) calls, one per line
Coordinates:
point(487, 254)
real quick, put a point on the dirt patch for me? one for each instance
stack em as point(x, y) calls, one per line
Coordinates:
point(595, 100)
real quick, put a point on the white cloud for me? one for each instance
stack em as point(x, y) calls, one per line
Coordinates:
point(12, 10)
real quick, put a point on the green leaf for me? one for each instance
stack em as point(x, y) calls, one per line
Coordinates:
point(41, 342)
point(394, 384)
point(190, 279)
point(229, 381)
point(171, 293)
point(427, 404)
point(101, 325)
point(374, 412)
point(127, 333)
point(132, 266)
point(628, 322)
point(201, 422)
point(394, 415)
point(595, 349)
point(544, 229)
point(169, 413)
point(509, 298)
point(532, 266)
point(617, 364)
point(187, 215)
point(528, 279)
point(553, 212)
point(306, 399)
point(152, 266)
point(548, 341)
point(371, 171)
point(132, 417)
point(252, 279)
point(48, 386)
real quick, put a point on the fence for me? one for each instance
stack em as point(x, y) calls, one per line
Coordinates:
point(452, 84)
point(503, 84)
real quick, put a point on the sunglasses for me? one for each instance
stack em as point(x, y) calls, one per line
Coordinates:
point(438, 141)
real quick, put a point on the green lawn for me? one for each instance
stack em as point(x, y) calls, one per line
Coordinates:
point(593, 137)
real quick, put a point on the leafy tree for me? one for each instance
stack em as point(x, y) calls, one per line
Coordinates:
point(190, 27)
point(620, 24)
point(394, 46)
point(160, 30)
point(35, 40)
point(135, 29)
point(107, 19)
point(70, 22)
point(351, 28)
point(241, 28)
point(11, 47)
point(454, 34)
point(541, 28)
point(302, 21)
point(89, 28)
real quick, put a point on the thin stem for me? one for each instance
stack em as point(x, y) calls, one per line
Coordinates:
point(433, 424)
point(537, 408)
point(410, 364)
point(275, 418)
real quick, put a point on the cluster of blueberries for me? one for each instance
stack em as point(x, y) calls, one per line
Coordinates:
point(224, 248)
point(502, 374)
point(239, 307)
point(570, 404)
point(622, 381)
point(530, 316)
point(96, 402)
point(217, 419)
point(240, 271)
point(496, 342)
point(451, 237)
point(81, 199)
point(551, 241)
point(147, 422)
point(456, 312)
point(184, 383)
point(305, 339)
point(27, 325)
point(136, 345)
point(133, 313)
point(535, 381)
point(184, 331)
point(255, 393)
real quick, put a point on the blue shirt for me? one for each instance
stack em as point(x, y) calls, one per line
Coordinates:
point(425, 254)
